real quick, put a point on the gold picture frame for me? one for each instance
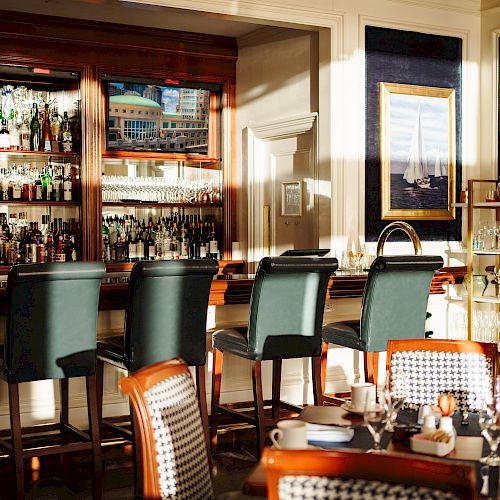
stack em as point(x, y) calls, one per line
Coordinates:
point(411, 116)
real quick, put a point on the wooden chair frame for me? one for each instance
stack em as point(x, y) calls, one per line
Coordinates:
point(444, 345)
point(458, 477)
point(135, 385)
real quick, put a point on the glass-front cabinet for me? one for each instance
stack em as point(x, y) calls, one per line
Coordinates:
point(40, 144)
point(162, 180)
point(161, 209)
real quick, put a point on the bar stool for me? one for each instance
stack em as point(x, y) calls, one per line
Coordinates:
point(166, 317)
point(51, 334)
point(394, 307)
point(286, 314)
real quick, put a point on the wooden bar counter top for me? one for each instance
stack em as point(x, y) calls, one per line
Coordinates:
point(232, 287)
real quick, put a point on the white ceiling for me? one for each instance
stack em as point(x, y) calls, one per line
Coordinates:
point(137, 14)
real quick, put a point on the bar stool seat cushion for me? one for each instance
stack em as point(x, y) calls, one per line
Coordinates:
point(233, 340)
point(345, 334)
point(113, 351)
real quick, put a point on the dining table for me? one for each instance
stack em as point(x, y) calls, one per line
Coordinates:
point(469, 444)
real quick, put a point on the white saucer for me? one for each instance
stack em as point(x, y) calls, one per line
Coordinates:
point(347, 407)
point(309, 447)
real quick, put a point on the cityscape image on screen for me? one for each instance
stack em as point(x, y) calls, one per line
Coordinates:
point(156, 118)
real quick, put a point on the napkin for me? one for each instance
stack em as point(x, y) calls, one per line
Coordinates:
point(328, 433)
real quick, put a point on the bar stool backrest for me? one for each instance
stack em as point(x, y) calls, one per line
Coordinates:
point(51, 320)
point(166, 312)
point(395, 299)
point(286, 308)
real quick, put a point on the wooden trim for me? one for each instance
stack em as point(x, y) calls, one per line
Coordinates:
point(102, 34)
point(398, 468)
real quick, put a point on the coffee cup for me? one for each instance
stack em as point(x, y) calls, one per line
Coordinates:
point(290, 435)
point(361, 393)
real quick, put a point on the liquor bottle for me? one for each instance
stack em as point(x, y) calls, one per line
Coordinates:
point(132, 245)
point(58, 187)
point(55, 130)
point(67, 137)
point(121, 252)
point(34, 129)
point(25, 133)
point(214, 250)
point(72, 249)
point(203, 243)
point(67, 185)
point(149, 245)
point(16, 184)
point(175, 242)
point(113, 238)
point(47, 136)
point(38, 186)
point(140, 245)
point(159, 242)
point(47, 182)
point(14, 136)
point(184, 244)
point(4, 136)
point(106, 254)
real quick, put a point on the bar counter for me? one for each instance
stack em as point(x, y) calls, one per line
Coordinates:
point(232, 287)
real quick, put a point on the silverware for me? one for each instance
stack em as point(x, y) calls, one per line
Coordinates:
point(485, 476)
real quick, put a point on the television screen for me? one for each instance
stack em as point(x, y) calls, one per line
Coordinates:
point(144, 117)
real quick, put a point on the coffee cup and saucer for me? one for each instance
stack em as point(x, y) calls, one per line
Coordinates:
point(361, 393)
point(290, 435)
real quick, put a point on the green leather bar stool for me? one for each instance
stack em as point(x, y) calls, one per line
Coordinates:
point(286, 315)
point(394, 307)
point(165, 318)
point(51, 334)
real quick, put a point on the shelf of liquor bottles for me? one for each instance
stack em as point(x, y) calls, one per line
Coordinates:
point(164, 207)
point(40, 189)
point(176, 236)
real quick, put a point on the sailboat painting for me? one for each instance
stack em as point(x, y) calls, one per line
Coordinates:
point(417, 146)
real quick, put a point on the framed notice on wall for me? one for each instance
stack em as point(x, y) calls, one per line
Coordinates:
point(291, 199)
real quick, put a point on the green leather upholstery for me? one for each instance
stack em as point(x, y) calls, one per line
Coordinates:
point(286, 310)
point(51, 321)
point(166, 314)
point(394, 304)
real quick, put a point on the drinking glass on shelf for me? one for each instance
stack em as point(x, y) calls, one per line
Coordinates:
point(489, 421)
point(376, 416)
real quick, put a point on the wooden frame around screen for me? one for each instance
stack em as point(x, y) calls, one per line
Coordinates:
point(416, 191)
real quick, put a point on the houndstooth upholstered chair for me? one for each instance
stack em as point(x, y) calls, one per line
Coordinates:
point(431, 367)
point(168, 420)
point(325, 474)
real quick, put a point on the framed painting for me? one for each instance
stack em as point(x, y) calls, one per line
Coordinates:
point(417, 152)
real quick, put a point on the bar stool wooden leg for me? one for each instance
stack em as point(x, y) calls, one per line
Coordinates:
point(64, 421)
point(371, 366)
point(95, 435)
point(260, 426)
point(136, 439)
point(317, 375)
point(216, 384)
point(324, 364)
point(17, 439)
point(202, 403)
point(99, 386)
point(277, 363)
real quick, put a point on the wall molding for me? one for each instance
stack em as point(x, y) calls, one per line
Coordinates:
point(462, 6)
point(257, 136)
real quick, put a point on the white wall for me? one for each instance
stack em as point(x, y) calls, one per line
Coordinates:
point(276, 77)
